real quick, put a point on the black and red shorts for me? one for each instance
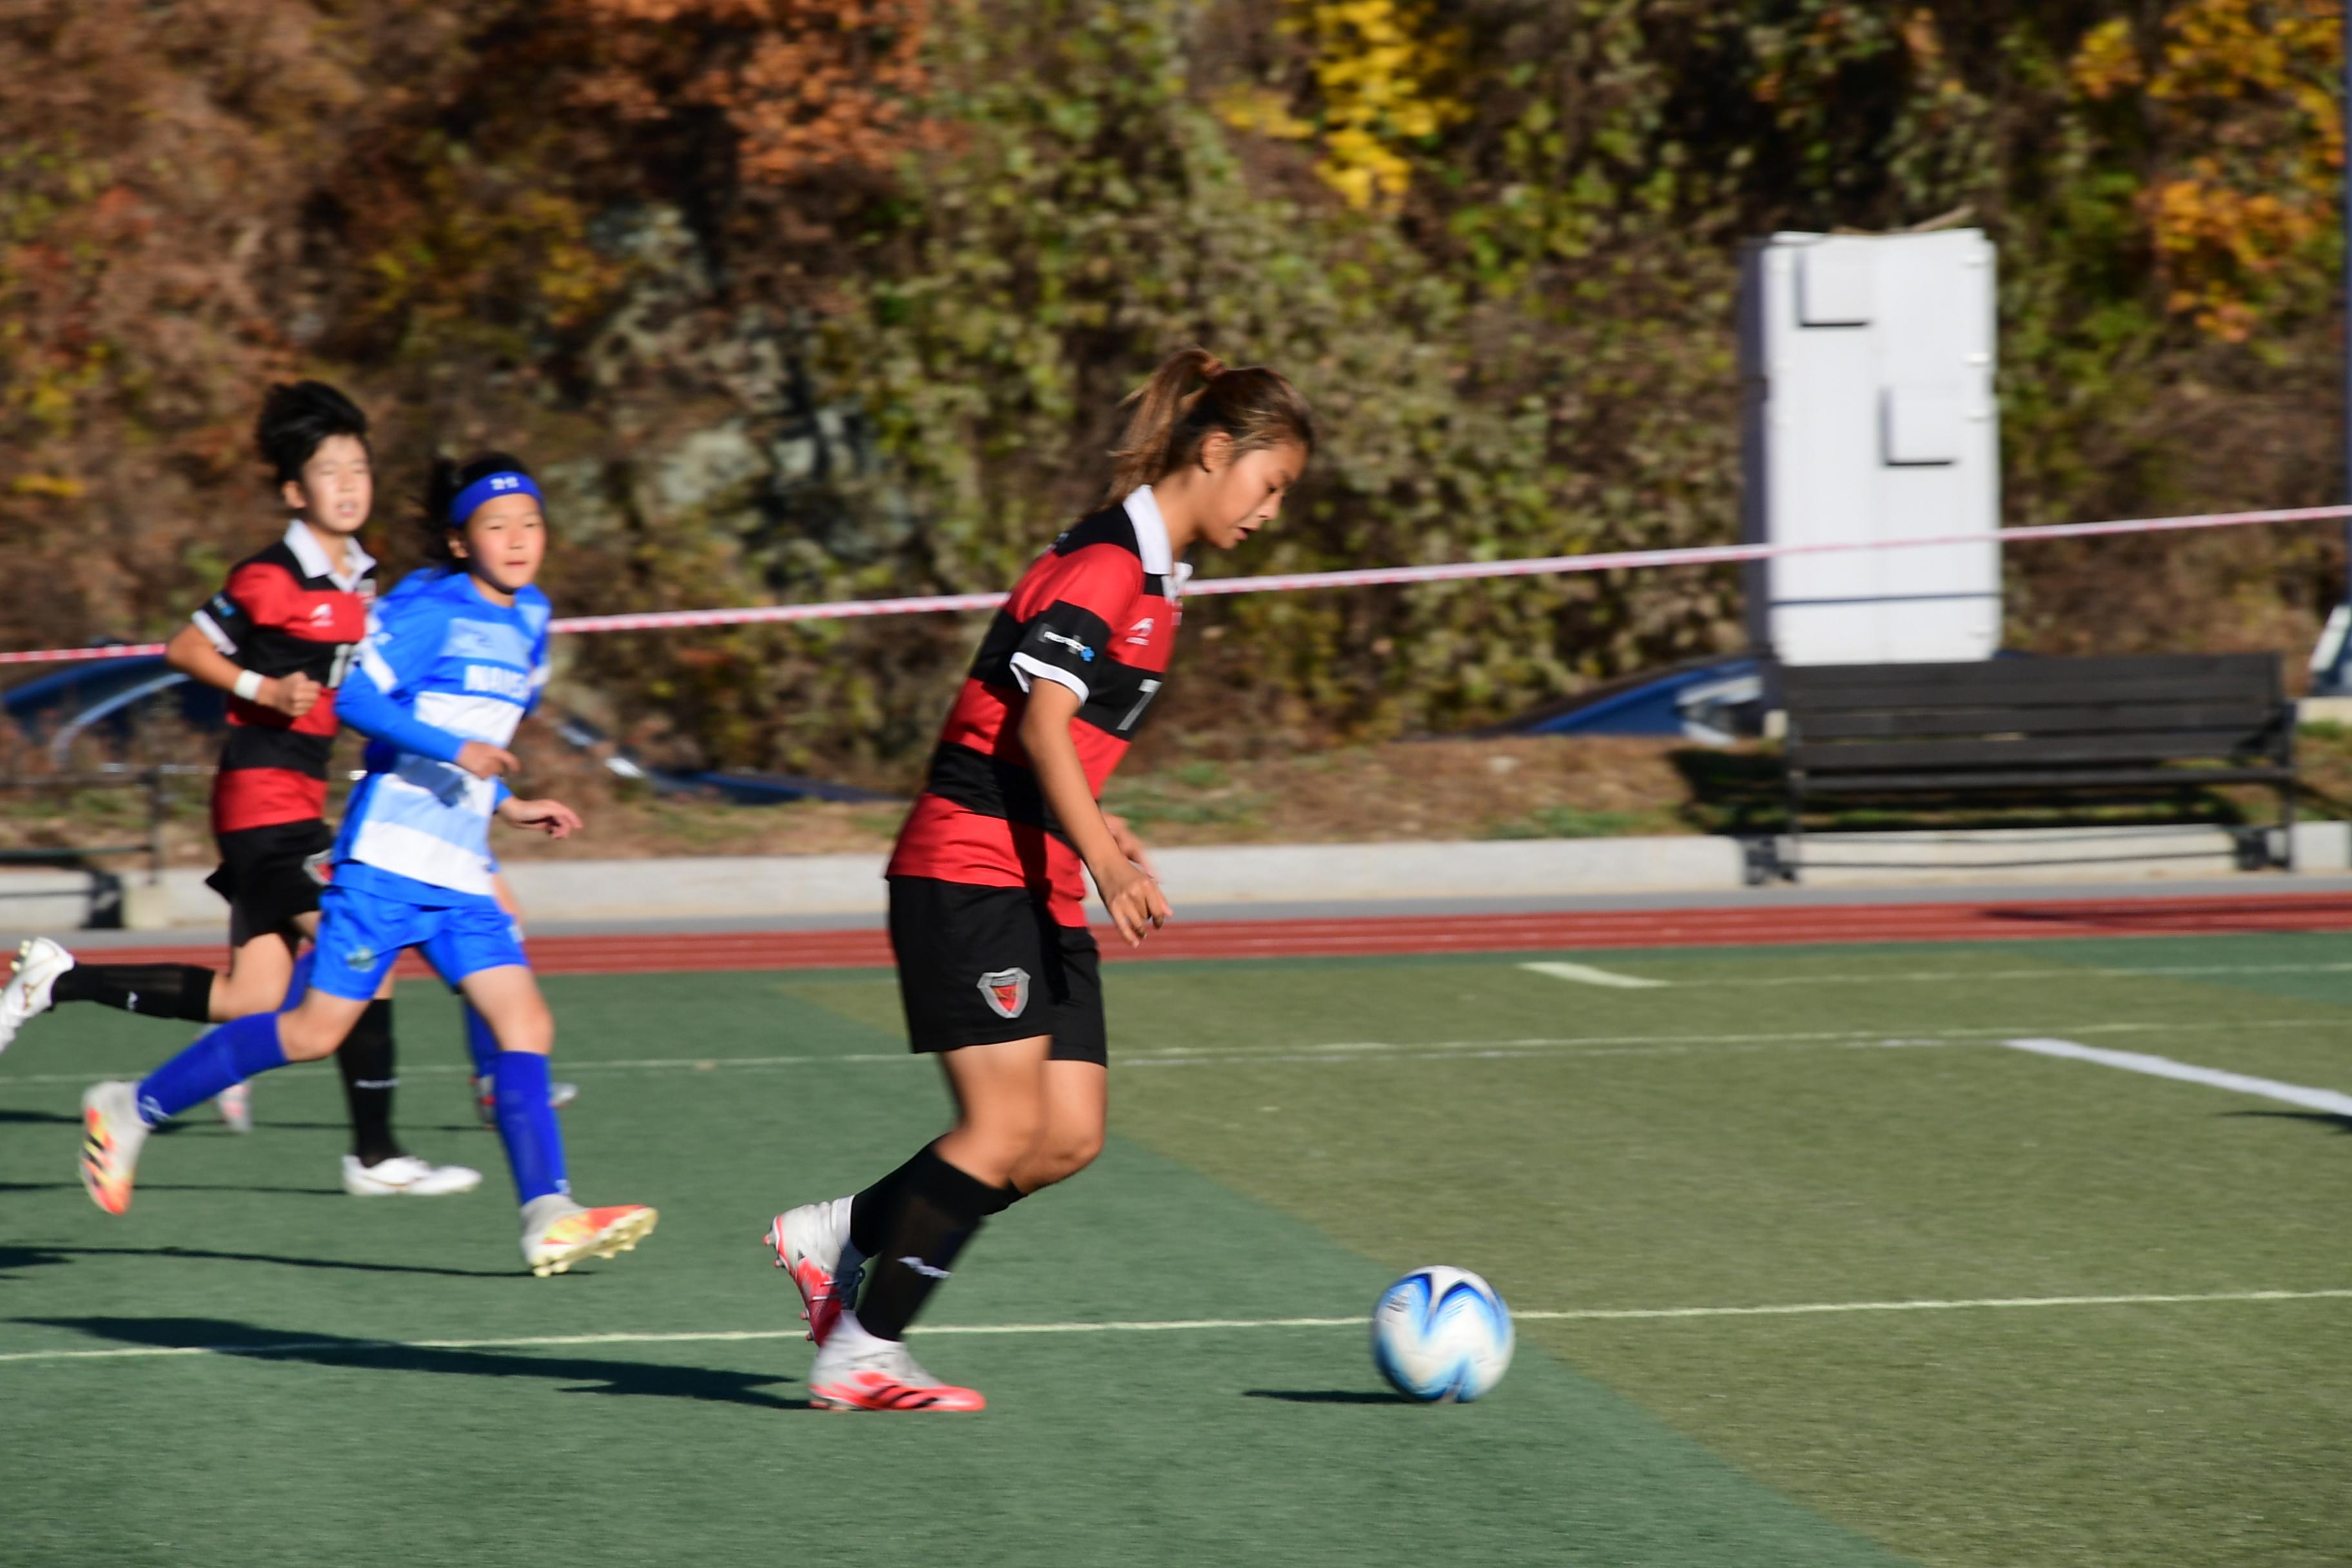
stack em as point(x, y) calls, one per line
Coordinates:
point(978, 967)
point(271, 875)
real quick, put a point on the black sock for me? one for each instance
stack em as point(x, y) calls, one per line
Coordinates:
point(149, 989)
point(365, 1059)
point(870, 1211)
point(873, 1209)
point(939, 1208)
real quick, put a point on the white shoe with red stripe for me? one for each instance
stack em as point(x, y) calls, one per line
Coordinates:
point(812, 1243)
point(855, 1370)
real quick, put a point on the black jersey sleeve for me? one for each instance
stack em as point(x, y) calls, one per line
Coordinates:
point(224, 622)
point(1066, 643)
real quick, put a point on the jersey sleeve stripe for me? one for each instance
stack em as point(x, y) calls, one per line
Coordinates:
point(214, 634)
point(1026, 669)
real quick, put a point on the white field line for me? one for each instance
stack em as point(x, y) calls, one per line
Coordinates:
point(1349, 1050)
point(2326, 1099)
point(1946, 976)
point(1585, 974)
point(1174, 1325)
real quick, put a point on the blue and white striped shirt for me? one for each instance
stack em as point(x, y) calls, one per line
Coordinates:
point(441, 666)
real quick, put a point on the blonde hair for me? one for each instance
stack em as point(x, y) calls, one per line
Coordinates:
point(1192, 394)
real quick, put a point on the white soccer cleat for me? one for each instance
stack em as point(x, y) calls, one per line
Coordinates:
point(557, 1233)
point(31, 982)
point(854, 1371)
point(235, 1104)
point(112, 1133)
point(813, 1242)
point(406, 1177)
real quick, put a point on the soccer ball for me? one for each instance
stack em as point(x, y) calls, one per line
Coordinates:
point(1442, 1335)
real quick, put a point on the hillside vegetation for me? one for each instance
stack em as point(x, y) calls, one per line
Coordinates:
point(805, 298)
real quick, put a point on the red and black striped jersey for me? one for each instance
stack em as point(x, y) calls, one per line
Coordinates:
point(1097, 614)
point(283, 610)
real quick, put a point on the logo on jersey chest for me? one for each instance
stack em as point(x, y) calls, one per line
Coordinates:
point(1139, 634)
point(1006, 992)
point(492, 680)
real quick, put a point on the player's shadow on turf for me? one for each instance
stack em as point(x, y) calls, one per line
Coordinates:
point(643, 1379)
point(1327, 1395)
point(267, 1124)
point(2323, 1118)
point(352, 1265)
point(15, 1257)
point(48, 1116)
point(181, 1187)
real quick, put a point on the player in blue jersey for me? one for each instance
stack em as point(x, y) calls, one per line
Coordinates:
point(453, 659)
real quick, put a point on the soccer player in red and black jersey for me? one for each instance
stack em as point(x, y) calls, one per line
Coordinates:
point(996, 968)
point(276, 638)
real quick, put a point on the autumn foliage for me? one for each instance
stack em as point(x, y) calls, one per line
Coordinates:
point(807, 87)
point(795, 298)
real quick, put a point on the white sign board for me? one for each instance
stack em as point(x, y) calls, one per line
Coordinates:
point(1868, 366)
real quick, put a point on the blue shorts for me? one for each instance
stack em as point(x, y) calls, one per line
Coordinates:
point(362, 933)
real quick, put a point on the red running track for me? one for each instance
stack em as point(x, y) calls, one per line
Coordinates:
point(1994, 921)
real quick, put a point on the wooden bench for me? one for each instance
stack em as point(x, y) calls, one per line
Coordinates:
point(2019, 730)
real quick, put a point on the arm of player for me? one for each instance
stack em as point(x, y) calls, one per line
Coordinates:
point(193, 655)
point(1130, 892)
point(368, 705)
point(551, 817)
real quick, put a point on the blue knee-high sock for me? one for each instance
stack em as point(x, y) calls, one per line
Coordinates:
point(481, 1044)
point(300, 982)
point(527, 1124)
point(227, 1055)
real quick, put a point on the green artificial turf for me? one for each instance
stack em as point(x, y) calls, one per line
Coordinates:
point(1766, 1127)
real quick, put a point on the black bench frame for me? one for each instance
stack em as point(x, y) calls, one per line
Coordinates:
point(2024, 728)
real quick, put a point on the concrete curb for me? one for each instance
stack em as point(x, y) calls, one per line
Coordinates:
point(780, 886)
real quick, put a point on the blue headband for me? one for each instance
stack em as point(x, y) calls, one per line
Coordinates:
point(488, 488)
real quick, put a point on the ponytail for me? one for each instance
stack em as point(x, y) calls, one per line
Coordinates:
point(1191, 395)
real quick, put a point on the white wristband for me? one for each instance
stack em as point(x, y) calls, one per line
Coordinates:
point(248, 684)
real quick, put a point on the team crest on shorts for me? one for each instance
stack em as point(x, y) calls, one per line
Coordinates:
point(1006, 991)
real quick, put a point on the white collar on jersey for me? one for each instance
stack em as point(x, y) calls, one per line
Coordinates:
point(312, 557)
point(1151, 540)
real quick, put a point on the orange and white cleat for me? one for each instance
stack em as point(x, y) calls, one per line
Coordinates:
point(235, 1104)
point(855, 1370)
point(561, 1233)
point(112, 1132)
point(812, 1243)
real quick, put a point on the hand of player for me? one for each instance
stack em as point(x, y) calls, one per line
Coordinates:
point(1122, 835)
point(485, 761)
point(551, 817)
point(1137, 906)
point(293, 695)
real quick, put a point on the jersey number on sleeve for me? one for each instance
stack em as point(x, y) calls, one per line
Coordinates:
point(1147, 687)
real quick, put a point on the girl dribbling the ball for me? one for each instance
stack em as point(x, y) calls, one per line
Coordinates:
point(996, 968)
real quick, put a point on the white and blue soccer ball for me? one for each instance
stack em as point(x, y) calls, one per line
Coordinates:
point(1442, 1336)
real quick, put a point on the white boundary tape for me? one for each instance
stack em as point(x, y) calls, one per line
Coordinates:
point(1175, 1325)
point(1359, 577)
